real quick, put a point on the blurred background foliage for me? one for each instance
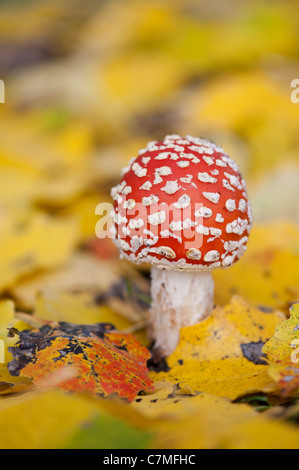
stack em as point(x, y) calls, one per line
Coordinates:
point(89, 83)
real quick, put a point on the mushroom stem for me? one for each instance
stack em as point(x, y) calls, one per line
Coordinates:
point(179, 298)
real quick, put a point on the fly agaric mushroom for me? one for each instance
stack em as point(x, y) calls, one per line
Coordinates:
point(181, 206)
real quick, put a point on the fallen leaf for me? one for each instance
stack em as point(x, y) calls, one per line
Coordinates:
point(25, 239)
point(282, 351)
point(58, 306)
point(8, 320)
point(221, 354)
point(108, 432)
point(203, 421)
point(56, 419)
point(83, 272)
point(267, 276)
point(276, 193)
point(259, 95)
point(107, 362)
point(83, 211)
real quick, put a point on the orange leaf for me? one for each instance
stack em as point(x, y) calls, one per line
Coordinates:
point(106, 361)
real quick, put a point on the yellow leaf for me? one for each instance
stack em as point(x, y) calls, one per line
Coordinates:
point(9, 384)
point(47, 421)
point(222, 354)
point(72, 308)
point(267, 275)
point(264, 117)
point(32, 241)
point(40, 165)
point(83, 272)
point(218, 424)
point(83, 210)
point(140, 81)
point(7, 321)
point(282, 351)
point(268, 203)
point(204, 421)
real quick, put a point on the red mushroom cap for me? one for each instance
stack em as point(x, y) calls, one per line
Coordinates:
point(182, 204)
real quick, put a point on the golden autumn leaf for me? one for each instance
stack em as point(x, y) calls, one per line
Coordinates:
point(275, 194)
point(89, 288)
point(267, 275)
point(226, 40)
point(127, 81)
point(58, 306)
point(25, 239)
point(55, 306)
point(254, 120)
point(87, 84)
point(55, 419)
point(282, 351)
point(106, 361)
point(83, 211)
point(179, 419)
point(13, 385)
point(8, 319)
point(82, 272)
point(42, 421)
point(52, 168)
point(218, 424)
point(223, 354)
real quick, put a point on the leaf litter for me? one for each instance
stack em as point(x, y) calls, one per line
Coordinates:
point(232, 382)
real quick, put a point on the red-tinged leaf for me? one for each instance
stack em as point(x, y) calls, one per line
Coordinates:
point(106, 361)
point(103, 248)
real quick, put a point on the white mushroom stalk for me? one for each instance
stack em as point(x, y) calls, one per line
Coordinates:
point(179, 298)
